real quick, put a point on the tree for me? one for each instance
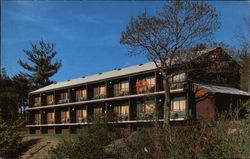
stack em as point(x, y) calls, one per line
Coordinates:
point(23, 87)
point(162, 38)
point(243, 41)
point(42, 68)
point(8, 99)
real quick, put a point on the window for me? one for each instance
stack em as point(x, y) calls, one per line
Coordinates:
point(145, 84)
point(50, 117)
point(50, 99)
point(146, 109)
point(121, 88)
point(65, 116)
point(178, 104)
point(37, 101)
point(97, 110)
point(63, 97)
point(100, 92)
point(178, 78)
point(81, 115)
point(81, 94)
point(122, 111)
point(37, 119)
point(178, 107)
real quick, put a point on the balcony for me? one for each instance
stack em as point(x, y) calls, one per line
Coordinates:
point(50, 121)
point(50, 102)
point(176, 86)
point(37, 122)
point(123, 117)
point(121, 93)
point(65, 120)
point(177, 115)
point(82, 120)
point(145, 89)
point(99, 96)
point(61, 101)
point(78, 99)
point(37, 104)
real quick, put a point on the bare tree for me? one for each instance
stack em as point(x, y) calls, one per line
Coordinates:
point(243, 41)
point(161, 38)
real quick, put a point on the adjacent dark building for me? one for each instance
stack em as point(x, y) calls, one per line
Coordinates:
point(202, 88)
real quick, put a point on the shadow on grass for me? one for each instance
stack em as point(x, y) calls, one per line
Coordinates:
point(25, 146)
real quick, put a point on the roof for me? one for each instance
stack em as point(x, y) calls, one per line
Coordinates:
point(105, 75)
point(221, 89)
point(110, 74)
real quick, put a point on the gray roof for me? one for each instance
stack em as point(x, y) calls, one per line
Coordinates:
point(110, 74)
point(105, 75)
point(221, 89)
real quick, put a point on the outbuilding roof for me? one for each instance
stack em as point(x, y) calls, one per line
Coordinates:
point(110, 74)
point(221, 89)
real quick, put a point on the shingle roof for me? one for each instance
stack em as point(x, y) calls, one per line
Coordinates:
point(110, 74)
point(221, 89)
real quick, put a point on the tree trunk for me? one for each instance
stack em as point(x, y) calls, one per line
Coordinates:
point(166, 106)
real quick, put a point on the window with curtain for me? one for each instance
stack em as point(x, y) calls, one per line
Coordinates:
point(50, 117)
point(178, 107)
point(150, 84)
point(81, 94)
point(146, 109)
point(178, 78)
point(37, 101)
point(97, 110)
point(37, 118)
point(100, 91)
point(64, 95)
point(121, 88)
point(122, 111)
point(178, 104)
point(50, 99)
point(81, 113)
point(65, 116)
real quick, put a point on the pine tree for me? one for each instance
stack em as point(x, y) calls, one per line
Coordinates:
point(42, 67)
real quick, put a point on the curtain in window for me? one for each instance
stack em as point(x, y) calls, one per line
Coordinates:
point(178, 104)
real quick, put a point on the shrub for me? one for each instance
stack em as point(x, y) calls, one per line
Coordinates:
point(9, 140)
point(88, 145)
point(209, 140)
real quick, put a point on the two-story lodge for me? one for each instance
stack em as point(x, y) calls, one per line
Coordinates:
point(134, 94)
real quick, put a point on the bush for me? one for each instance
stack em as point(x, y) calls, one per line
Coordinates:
point(9, 140)
point(222, 138)
point(208, 140)
point(88, 145)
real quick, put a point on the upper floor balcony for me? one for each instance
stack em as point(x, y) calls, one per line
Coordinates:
point(139, 84)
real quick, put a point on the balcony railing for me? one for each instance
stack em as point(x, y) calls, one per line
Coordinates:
point(78, 99)
point(50, 102)
point(175, 86)
point(121, 93)
point(178, 114)
point(82, 120)
point(37, 122)
point(123, 117)
point(146, 89)
point(37, 104)
point(61, 101)
point(65, 120)
point(99, 96)
point(50, 121)
point(146, 116)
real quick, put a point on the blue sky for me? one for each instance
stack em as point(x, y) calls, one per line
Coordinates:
point(87, 34)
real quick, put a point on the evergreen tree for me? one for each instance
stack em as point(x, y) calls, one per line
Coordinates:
point(42, 67)
point(8, 99)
